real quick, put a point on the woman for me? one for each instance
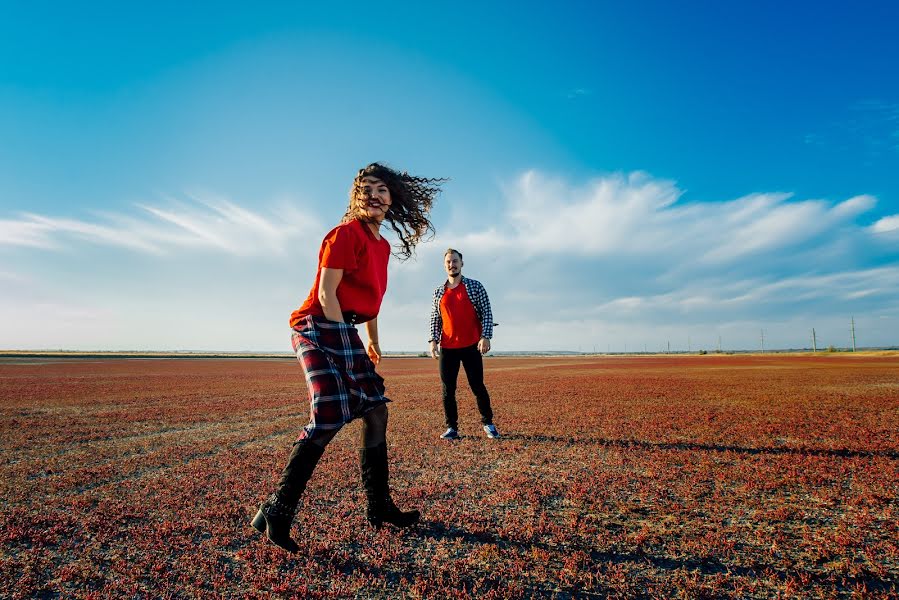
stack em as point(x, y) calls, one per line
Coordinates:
point(349, 285)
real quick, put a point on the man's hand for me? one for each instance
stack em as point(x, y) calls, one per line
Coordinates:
point(374, 352)
point(435, 353)
point(483, 345)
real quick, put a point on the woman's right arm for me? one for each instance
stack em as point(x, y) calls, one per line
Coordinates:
point(327, 293)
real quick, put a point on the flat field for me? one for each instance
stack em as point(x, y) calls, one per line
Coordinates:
point(740, 476)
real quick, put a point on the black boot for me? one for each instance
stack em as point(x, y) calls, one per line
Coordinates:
point(277, 512)
point(381, 509)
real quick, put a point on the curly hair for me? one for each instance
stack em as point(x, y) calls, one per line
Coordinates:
point(411, 201)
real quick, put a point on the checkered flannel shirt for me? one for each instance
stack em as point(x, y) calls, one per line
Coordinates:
point(478, 296)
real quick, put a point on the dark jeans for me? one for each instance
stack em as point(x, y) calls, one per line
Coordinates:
point(471, 359)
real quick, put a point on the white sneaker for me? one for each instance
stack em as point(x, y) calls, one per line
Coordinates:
point(492, 433)
point(450, 434)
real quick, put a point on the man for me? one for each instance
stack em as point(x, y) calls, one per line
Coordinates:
point(461, 328)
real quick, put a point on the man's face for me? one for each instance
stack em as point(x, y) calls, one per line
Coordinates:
point(373, 198)
point(453, 264)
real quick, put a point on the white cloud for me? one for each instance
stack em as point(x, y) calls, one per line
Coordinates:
point(547, 215)
point(579, 93)
point(205, 223)
point(886, 225)
point(618, 261)
point(740, 295)
point(637, 215)
point(54, 229)
point(26, 233)
point(624, 252)
point(855, 206)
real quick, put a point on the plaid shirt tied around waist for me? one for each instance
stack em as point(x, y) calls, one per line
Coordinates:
point(341, 378)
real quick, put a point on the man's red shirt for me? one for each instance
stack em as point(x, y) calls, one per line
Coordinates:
point(461, 327)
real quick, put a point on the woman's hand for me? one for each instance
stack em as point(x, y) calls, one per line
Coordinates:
point(484, 346)
point(374, 352)
point(373, 349)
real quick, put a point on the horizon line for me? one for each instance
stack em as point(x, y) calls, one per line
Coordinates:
point(62, 353)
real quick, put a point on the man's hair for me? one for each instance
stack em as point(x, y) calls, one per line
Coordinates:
point(411, 201)
point(448, 250)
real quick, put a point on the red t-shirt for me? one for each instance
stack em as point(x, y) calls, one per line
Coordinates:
point(461, 327)
point(351, 246)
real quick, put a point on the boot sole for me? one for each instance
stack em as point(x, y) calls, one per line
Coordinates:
point(379, 523)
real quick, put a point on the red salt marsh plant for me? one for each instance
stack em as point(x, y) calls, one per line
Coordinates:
point(740, 476)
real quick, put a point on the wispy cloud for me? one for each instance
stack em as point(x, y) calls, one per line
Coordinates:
point(208, 223)
point(578, 93)
point(620, 257)
point(886, 225)
point(871, 126)
point(627, 249)
point(748, 295)
point(638, 215)
point(26, 232)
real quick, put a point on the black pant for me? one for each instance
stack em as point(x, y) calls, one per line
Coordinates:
point(474, 369)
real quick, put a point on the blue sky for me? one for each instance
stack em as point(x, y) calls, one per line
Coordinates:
point(622, 175)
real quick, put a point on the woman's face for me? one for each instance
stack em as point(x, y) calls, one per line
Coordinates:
point(372, 199)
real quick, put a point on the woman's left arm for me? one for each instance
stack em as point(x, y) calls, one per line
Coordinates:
point(373, 349)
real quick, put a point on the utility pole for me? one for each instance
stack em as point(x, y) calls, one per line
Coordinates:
point(719, 343)
point(763, 339)
point(853, 334)
point(814, 341)
point(669, 346)
point(689, 345)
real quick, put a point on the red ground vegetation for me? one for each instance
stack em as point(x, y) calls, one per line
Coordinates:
point(743, 476)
